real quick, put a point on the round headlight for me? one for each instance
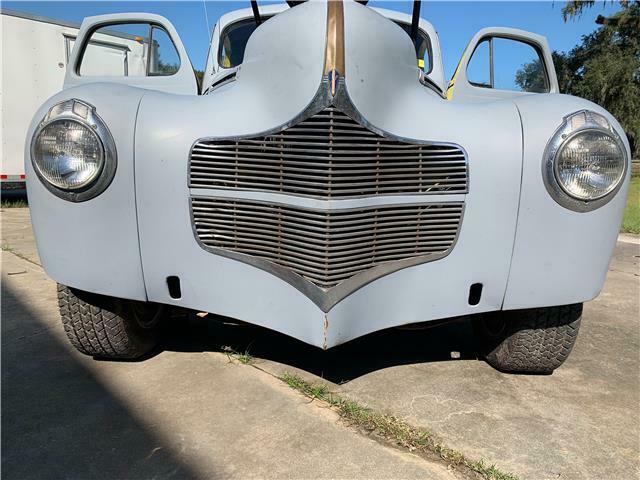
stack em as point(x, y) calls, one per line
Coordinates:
point(73, 152)
point(585, 162)
point(590, 164)
point(68, 154)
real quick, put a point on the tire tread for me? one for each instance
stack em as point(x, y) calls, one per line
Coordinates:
point(101, 326)
point(536, 340)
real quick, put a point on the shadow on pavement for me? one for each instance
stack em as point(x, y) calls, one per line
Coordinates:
point(383, 349)
point(18, 196)
point(59, 420)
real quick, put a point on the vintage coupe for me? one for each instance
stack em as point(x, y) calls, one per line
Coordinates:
point(323, 181)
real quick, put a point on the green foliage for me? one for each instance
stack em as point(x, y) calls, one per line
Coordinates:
point(244, 358)
point(574, 8)
point(531, 77)
point(605, 66)
point(163, 68)
point(199, 76)
point(631, 220)
point(14, 203)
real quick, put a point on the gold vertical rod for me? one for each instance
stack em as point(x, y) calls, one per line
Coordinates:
point(334, 51)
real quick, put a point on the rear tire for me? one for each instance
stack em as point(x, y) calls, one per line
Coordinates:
point(108, 327)
point(536, 340)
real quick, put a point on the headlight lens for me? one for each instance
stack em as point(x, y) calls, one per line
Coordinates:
point(73, 152)
point(585, 162)
point(590, 164)
point(68, 154)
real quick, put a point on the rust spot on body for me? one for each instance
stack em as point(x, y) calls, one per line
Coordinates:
point(324, 331)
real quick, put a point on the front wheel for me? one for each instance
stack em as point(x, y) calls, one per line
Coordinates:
point(108, 327)
point(536, 340)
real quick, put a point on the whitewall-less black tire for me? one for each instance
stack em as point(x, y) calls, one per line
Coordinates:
point(108, 327)
point(536, 340)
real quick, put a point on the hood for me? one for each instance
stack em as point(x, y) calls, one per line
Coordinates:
point(320, 54)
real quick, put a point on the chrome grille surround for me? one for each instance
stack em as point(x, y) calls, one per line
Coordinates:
point(273, 216)
point(326, 247)
point(328, 155)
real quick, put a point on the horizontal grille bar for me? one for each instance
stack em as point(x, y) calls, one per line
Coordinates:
point(326, 246)
point(328, 155)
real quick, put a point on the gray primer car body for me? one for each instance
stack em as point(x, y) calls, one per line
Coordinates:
point(526, 249)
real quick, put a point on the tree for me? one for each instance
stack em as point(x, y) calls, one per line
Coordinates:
point(574, 8)
point(531, 77)
point(605, 66)
point(199, 75)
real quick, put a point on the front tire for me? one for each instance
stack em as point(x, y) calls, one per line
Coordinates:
point(536, 340)
point(108, 327)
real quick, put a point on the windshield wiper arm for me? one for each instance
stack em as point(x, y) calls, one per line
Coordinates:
point(415, 19)
point(256, 12)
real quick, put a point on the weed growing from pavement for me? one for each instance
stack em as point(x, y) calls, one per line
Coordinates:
point(393, 429)
point(244, 358)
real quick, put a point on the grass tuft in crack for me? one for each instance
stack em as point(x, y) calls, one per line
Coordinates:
point(244, 358)
point(393, 429)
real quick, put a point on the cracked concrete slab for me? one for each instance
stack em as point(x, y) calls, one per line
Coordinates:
point(187, 415)
point(579, 423)
point(17, 233)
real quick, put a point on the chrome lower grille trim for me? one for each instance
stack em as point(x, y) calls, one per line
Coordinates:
point(328, 155)
point(326, 247)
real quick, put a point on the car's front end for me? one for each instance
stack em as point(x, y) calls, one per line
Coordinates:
point(326, 193)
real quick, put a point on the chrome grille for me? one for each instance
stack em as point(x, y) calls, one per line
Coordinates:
point(328, 155)
point(326, 246)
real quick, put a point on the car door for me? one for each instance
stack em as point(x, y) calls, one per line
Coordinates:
point(503, 63)
point(137, 49)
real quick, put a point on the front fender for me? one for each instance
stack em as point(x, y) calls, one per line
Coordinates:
point(559, 256)
point(93, 245)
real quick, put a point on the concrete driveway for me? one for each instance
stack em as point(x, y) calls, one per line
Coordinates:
point(192, 412)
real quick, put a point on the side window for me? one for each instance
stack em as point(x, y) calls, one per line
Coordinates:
point(507, 64)
point(129, 50)
point(164, 58)
point(479, 69)
point(233, 42)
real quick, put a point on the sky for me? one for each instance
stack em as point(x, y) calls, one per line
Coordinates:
point(455, 21)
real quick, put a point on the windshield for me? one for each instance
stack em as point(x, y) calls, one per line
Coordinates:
point(233, 42)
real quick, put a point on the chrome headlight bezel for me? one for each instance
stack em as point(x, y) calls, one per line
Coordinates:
point(573, 125)
point(80, 112)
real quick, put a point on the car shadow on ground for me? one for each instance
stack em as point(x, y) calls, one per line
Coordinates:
point(445, 341)
point(60, 421)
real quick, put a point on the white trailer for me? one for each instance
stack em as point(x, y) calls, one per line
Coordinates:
point(35, 53)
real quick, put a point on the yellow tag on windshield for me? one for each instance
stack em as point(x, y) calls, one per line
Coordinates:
point(421, 63)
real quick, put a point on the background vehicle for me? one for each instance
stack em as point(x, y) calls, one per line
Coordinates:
point(36, 52)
